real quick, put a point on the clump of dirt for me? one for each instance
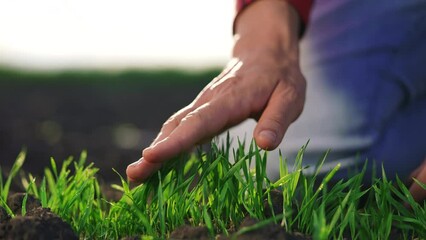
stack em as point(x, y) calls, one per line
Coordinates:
point(190, 232)
point(38, 223)
point(276, 205)
point(269, 232)
point(15, 202)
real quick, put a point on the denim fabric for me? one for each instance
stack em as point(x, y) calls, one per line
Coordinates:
point(365, 64)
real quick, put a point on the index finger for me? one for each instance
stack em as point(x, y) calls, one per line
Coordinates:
point(203, 122)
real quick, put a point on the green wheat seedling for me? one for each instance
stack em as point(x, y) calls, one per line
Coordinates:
point(207, 189)
point(5, 187)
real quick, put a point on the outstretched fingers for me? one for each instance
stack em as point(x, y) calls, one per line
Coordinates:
point(137, 171)
point(199, 124)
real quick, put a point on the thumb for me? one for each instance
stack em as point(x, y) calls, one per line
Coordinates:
point(283, 107)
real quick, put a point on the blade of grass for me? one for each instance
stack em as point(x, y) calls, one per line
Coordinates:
point(17, 165)
point(160, 200)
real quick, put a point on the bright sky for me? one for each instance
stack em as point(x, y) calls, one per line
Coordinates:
point(47, 34)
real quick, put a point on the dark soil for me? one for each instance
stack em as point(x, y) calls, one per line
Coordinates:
point(190, 232)
point(38, 223)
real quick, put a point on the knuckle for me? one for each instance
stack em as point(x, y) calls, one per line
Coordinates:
point(172, 122)
point(175, 120)
point(294, 97)
point(290, 93)
point(194, 118)
point(293, 93)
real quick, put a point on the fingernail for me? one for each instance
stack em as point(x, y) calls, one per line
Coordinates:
point(268, 135)
point(135, 163)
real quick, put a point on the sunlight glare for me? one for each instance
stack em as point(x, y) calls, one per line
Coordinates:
point(115, 34)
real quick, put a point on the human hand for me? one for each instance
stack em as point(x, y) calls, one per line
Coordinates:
point(262, 81)
point(419, 194)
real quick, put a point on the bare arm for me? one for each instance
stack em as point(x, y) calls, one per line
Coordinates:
point(262, 81)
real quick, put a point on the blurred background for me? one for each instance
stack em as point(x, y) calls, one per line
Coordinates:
point(102, 75)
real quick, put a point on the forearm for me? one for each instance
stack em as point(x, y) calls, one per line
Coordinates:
point(267, 27)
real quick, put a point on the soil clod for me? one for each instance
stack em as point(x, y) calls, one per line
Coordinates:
point(190, 232)
point(15, 202)
point(271, 231)
point(276, 205)
point(38, 223)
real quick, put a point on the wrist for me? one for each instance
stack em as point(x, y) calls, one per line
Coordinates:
point(267, 27)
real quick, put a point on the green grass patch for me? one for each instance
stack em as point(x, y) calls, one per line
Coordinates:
point(206, 189)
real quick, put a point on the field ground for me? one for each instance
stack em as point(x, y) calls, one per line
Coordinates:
point(115, 115)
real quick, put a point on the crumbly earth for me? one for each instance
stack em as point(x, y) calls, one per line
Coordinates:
point(190, 232)
point(38, 223)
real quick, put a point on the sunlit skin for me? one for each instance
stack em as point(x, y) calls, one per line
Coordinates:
point(262, 81)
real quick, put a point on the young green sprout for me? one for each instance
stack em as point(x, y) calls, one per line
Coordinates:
point(207, 189)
